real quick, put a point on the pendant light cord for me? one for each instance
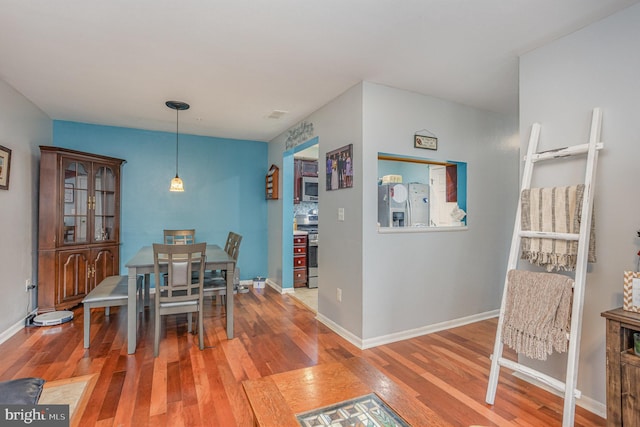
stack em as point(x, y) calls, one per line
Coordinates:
point(177, 122)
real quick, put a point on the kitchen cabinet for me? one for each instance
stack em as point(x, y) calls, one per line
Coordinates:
point(302, 168)
point(309, 168)
point(299, 260)
point(78, 226)
point(623, 368)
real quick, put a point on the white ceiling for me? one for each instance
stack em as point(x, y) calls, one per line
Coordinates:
point(116, 62)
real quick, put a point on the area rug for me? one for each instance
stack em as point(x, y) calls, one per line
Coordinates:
point(367, 410)
point(308, 297)
point(74, 392)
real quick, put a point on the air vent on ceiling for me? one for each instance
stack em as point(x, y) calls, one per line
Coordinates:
point(276, 114)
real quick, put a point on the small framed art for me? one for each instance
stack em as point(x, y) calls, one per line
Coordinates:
point(631, 294)
point(5, 163)
point(423, 141)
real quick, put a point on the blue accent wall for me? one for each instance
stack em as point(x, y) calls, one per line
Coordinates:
point(223, 180)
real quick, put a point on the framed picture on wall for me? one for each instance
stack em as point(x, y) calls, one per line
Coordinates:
point(339, 166)
point(5, 163)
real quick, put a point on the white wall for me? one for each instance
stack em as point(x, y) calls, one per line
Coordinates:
point(394, 283)
point(560, 84)
point(23, 127)
point(412, 281)
point(340, 250)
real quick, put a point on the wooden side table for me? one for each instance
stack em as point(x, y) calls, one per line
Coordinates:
point(623, 368)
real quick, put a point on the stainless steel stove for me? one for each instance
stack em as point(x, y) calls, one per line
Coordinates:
point(309, 223)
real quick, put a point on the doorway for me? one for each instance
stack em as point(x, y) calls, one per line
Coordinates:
point(293, 206)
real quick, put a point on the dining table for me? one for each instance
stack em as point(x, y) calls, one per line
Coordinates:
point(142, 263)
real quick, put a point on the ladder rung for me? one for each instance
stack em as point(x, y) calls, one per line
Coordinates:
point(563, 152)
point(546, 379)
point(549, 235)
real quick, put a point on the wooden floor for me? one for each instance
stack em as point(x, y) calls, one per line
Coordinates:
point(447, 371)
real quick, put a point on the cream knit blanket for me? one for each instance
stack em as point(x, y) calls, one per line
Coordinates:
point(537, 314)
point(554, 209)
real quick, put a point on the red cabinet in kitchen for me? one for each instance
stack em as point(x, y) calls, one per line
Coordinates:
point(299, 260)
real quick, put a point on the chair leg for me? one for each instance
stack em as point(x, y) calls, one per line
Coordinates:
point(201, 328)
point(189, 322)
point(156, 335)
point(107, 311)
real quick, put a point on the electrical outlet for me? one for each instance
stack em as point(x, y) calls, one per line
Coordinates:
point(340, 214)
point(27, 285)
point(339, 295)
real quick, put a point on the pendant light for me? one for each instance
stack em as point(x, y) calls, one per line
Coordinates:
point(176, 183)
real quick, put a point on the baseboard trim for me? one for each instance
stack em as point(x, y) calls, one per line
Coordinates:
point(279, 288)
point(424, 330)
point(339, 330)
point(8, 333)
point(400, 336)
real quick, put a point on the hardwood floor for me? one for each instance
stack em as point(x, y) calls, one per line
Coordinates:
point(447, 371)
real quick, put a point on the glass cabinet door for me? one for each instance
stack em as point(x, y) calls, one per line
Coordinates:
point(75, 202)
point(104, 203)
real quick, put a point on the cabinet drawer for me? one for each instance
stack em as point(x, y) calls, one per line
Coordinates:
point(299, 250)
point(299, 261)
point(299, 276)
point(300, 240)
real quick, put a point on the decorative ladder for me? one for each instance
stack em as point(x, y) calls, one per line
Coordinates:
point(532, 157)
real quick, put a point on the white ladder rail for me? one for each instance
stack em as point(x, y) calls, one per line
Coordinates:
point(563, 152)
point(543, 378)
point(514, 254)
point(569, 386)
point(573, 356)
point(550, 235)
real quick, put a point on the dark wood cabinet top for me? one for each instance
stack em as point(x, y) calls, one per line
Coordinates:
point(622, 315)
point(88, 156)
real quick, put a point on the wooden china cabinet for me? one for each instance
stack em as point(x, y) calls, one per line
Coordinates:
point(79, 225)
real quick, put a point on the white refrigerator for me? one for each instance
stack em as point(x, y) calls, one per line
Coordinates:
point(418, 204)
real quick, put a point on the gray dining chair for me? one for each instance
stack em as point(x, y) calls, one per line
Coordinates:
point(185, 236)
point(179, 293)
point(179, 237)
point(215, 282)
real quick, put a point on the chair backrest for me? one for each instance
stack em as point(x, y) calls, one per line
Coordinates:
point(232, 247)
point(179, 261)
point(180, 237)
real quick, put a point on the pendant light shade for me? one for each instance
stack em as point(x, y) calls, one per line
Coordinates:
point(176, 183)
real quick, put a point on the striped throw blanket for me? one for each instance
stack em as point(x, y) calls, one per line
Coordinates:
point(537, 314)
point(554, 209)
